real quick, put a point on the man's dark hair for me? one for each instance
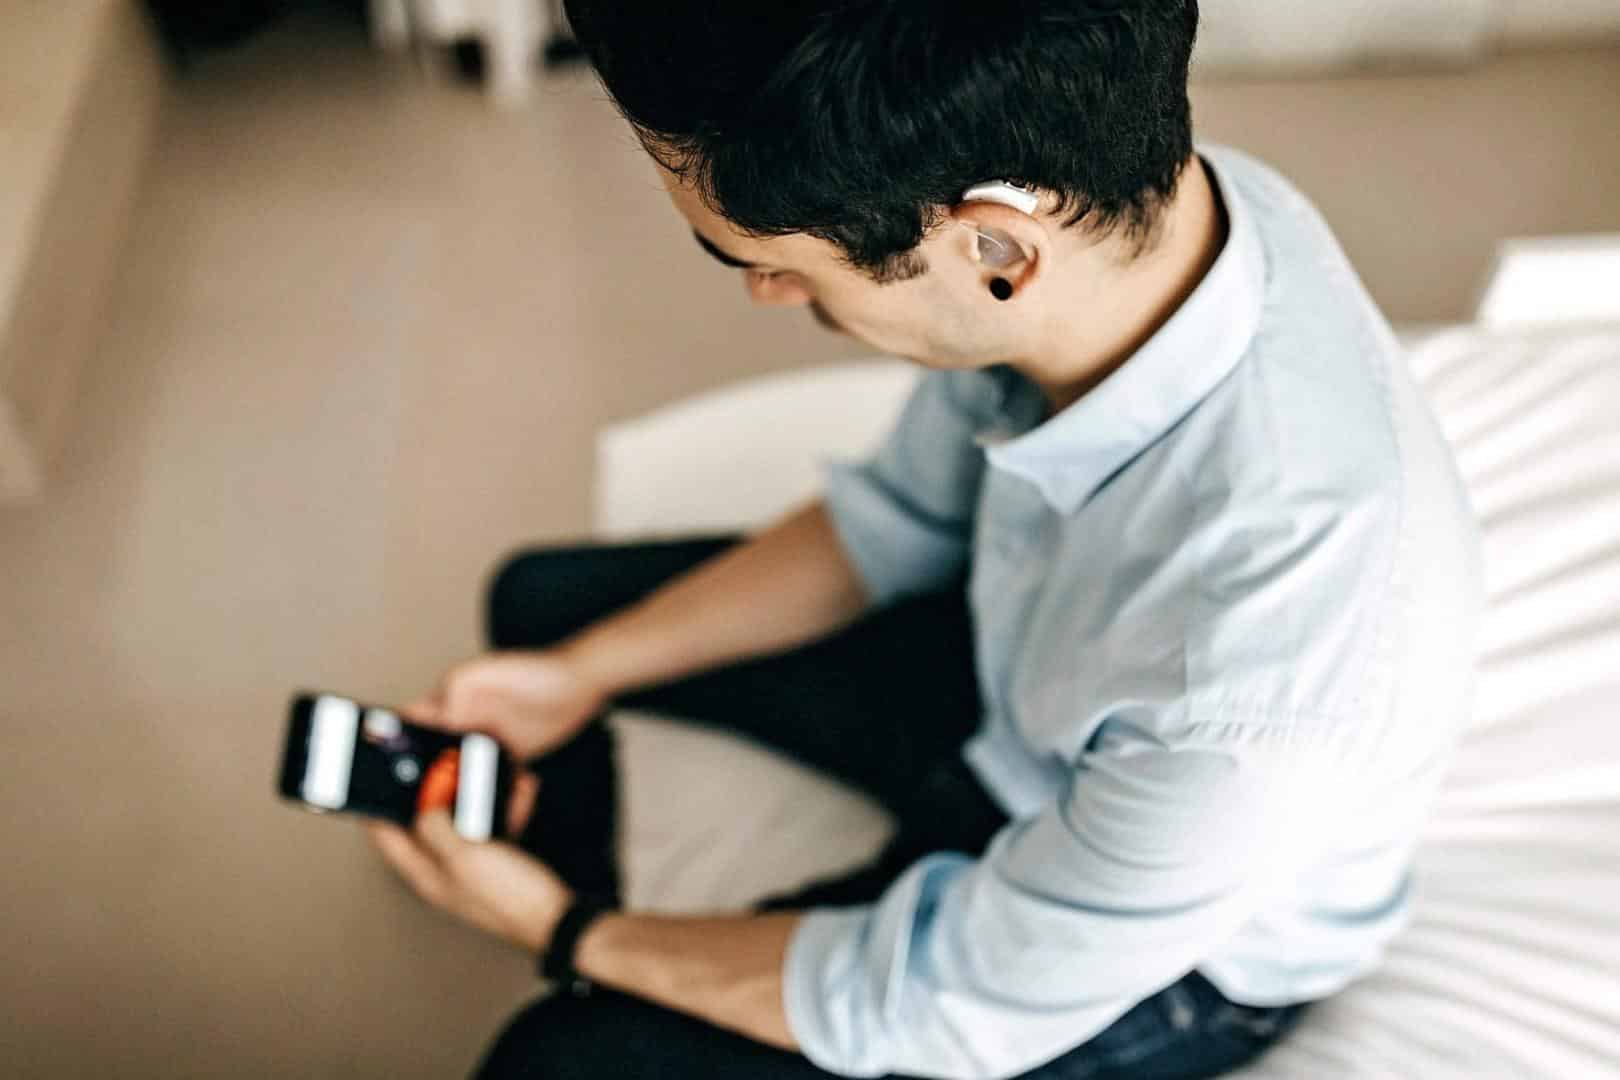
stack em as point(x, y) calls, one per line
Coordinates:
point(861, 122)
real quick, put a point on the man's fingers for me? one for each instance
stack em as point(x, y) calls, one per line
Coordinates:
point(525, 789)
point(439, 836)
point(410, 859)
point(466, 706)
point(427, 710)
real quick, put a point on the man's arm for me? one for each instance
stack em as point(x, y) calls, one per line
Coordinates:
point(724, 969)
point(972, 969)
point(727, 969)
point(788, 585)
point(964, 968)
point(896, 524)
point(1070, 915)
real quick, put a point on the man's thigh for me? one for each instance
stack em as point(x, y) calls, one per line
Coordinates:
point(613, 1036)
point(1185, 1032)
point(884, 704)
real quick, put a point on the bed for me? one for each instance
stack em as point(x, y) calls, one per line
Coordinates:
point(1511, 963)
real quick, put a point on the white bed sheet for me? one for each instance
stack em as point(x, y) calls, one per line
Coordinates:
point(1511, 965)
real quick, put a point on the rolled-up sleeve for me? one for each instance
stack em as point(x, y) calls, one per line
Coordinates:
point(988, 968)
point(905, 516)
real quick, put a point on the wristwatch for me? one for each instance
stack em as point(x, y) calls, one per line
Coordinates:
point(556, 962)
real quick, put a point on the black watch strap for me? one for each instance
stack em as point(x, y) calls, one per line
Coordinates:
point(557, 961)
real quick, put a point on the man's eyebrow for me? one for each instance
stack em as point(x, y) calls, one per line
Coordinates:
point(728, 260)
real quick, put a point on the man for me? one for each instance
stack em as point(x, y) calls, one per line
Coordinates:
point(1151, 621)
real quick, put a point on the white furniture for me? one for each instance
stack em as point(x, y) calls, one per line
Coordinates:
point(1539, 281)
point(509, 30)
point(1511, 966)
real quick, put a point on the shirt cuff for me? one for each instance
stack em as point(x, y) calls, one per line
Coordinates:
point(823, 950)
point(847, 971)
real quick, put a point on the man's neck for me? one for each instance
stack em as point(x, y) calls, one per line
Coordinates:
point(1141, 300)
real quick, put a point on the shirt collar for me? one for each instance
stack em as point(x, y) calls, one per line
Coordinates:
point(1070, 456)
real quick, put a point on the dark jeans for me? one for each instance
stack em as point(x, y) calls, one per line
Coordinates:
point(884, 706)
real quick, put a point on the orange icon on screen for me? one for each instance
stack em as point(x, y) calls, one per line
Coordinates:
point(438, 790)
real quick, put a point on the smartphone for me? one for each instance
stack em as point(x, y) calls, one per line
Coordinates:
point(342, 756)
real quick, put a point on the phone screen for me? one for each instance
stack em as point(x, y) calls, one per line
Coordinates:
point(362, 759)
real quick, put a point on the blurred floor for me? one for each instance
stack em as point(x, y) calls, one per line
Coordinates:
point(364, 332)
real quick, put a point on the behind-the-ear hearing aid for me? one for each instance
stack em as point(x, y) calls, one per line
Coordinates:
point(1005, 193)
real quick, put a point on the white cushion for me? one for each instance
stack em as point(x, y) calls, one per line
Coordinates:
point(1511, 966)
point(735, 457)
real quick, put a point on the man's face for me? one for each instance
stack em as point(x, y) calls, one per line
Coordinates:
point(924, 318)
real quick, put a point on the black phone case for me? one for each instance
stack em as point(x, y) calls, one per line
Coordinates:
point(377, 787)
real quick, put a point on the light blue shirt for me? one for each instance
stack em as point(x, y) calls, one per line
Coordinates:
point(1224, 612)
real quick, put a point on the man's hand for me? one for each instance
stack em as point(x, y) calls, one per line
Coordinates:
point(723, 969)
point(491, 885)
point(532, 701)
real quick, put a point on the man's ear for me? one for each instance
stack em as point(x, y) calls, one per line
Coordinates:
point(1003, 242)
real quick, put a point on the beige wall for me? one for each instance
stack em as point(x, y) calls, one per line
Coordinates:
point(1523, 22)
point(80, 92)
point(1421, 174)
point(1257, 35)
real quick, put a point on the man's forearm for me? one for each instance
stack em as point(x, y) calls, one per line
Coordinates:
point(724, 969)
point(788, 585)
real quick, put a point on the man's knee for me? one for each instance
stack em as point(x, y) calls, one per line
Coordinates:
point(607, 1034)
point(539, 596)
point(541, 1041)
